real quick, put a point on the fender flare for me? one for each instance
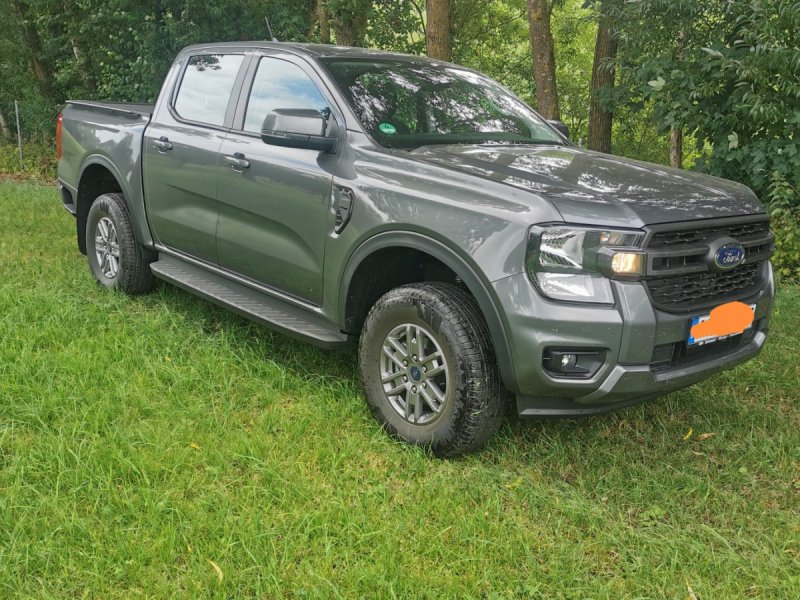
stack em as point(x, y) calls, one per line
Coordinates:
point(103, 161)
point(469, 274)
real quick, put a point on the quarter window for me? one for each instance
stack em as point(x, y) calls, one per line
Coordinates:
point(280, 84)
point(206, 87)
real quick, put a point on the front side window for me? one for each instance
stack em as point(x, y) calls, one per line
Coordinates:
point(206, 87)
point(280, 84)
point(404, 104)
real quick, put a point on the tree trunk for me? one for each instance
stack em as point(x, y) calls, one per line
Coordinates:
point(544, 62)
point(676, 133)
point(324, 23)
point(350, 24)
point(5, 132)
point(38, 67)
point(83, 67)
point(600, 120)
point(438, 29)
point(676, 148)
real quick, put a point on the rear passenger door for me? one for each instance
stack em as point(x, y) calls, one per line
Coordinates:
point(181, 147)
point(274, 202)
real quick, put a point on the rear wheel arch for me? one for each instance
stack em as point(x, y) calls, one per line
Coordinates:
point(98, 176)
point(461, 269)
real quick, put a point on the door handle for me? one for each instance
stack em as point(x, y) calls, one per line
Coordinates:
point(237, 161)
point(162, 144)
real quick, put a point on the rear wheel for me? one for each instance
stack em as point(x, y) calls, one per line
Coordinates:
point(428, 369)
point(116, 260)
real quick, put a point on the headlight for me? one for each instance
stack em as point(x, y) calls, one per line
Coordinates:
point(574, 263)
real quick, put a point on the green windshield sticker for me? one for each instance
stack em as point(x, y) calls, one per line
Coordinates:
point(387, 128)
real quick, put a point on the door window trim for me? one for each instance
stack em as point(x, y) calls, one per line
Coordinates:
point(232, 99)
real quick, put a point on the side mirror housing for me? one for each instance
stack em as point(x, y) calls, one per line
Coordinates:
point(560, 126)
point(300, 128)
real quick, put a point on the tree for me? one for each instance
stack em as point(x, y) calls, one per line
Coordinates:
point(34, 46)
point(725, 73)
point(398, 25)
point(5, 132)
point(605, 51)
point(324, 23)
point(349, 19)
point(438, 29)
point(543, 54)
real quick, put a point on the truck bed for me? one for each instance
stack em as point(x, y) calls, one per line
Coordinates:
point(106, 136)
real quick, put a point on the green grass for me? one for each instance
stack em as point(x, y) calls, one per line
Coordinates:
point(141, 439)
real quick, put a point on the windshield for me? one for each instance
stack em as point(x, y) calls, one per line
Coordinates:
point(405, 104)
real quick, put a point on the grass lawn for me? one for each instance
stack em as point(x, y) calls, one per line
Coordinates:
point(162, 447)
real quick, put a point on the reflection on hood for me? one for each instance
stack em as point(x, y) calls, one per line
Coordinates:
point(589, 187)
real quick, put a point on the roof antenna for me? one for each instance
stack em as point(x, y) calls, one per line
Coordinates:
point(269, 29)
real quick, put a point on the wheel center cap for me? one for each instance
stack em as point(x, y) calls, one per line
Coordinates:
point(415, 373)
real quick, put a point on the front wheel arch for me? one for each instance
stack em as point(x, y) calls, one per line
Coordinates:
point(468, 274)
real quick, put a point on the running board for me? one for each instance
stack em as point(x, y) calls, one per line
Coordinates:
point(254, 305)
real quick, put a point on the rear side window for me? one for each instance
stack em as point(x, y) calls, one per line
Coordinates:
point(280, 84)
point(206, 87)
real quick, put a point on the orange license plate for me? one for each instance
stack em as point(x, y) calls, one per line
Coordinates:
point(723, 322)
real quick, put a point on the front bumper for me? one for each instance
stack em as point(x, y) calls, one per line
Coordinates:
point(633, 335)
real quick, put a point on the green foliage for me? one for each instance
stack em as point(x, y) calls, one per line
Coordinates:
point(39, 160)
point(574, 33)
point(786, 226)
point(729, 73)
point(397, 26)
point(786, 259)
point(120, 49)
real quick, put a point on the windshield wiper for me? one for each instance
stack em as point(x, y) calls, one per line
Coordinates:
point(523, 143)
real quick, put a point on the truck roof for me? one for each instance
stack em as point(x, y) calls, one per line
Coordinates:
point(315, 50)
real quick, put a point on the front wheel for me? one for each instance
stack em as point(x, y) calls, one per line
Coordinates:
point(116, 260)
point(428, 368)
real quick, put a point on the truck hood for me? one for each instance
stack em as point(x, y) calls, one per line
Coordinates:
point(590, 187)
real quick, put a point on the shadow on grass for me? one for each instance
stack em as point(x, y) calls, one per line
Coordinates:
point(649, 436)
point(247, 338)
point(303, 361)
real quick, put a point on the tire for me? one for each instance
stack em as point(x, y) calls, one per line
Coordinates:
point(116, 260)
point(438, 319)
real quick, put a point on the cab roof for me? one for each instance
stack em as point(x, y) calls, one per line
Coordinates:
point(313, 50)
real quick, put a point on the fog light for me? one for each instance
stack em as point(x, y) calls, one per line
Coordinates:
point(565, 362)
point(627, 263)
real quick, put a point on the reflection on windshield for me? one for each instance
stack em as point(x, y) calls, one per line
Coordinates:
point(405, 104)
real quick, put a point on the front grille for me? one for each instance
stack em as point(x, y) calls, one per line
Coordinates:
point(702, 235)
point(679, 278)
point(698, 289)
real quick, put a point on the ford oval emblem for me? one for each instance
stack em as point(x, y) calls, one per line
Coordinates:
point(729, 256)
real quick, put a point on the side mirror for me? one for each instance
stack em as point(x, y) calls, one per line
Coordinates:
point(300, 128)
point(560, 126)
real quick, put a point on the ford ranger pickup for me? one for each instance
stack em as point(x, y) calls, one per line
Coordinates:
point(421, 210)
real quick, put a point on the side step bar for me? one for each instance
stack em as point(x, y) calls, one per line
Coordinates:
point(248, 302)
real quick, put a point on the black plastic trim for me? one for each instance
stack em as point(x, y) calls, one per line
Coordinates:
point(478, 288)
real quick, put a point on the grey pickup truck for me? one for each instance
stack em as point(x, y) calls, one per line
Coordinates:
point(421, 210)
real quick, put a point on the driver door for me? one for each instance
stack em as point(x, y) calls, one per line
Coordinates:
point(274, 213)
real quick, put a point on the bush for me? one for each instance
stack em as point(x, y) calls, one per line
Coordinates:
point(784, 199)
point(787, 247)
point(39, 159)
